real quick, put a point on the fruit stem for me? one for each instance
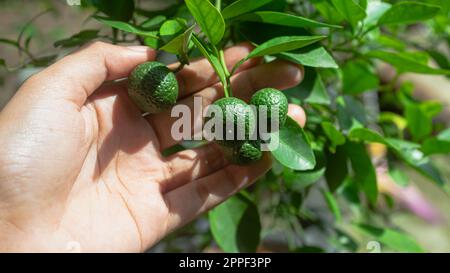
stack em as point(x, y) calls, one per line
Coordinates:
point(227, 73)
point(217, 66)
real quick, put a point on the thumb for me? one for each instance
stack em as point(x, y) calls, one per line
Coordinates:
point(76, 76)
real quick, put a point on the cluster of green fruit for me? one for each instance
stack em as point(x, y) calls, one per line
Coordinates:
point(153, 88)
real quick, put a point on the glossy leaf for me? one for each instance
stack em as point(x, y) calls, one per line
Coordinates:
point(337, 169)
point(350, 10)
point(293, 150)
point(420, 124)
point(316, 57)
point(363, 169)
point(350, 113)
point(375, 10)
point(333, 134)
point(300, 180)
point(284, 19)
point(408, 12)
point(405, 62)
point(171, 28)
point(437, 145)
point(332, 205)
point(235, 224)
point(391, 238)
point(208, 18)
point(282, 44)
point(126, 27)
point(153, 23)
point(365, 134)
point(213, 60)
point(180, 44)
point(241, 7)
point(358, 77)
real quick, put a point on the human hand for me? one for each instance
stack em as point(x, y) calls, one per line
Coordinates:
point(81, 167)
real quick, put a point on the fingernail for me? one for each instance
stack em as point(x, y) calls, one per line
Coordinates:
point(139, 48)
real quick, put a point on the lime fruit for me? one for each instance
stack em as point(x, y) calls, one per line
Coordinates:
point(243, 153)
point(275, 101)
point(153, 87)
point(237, 120)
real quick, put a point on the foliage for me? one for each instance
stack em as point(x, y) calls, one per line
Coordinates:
point(342, 44)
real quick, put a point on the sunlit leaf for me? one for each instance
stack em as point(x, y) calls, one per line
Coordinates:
point(408, 12)
point(293, 150)
point(241, 7)
point(208, 18)
point(235, 224)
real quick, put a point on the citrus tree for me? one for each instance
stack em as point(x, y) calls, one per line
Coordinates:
point(351, 109)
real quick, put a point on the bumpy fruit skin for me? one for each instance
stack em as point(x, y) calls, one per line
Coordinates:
point(243, 153)
point(153, 87)
point(238, 111)
point(271, 98)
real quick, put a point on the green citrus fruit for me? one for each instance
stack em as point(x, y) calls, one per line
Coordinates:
point(275, 100)
point(153, 87)
point(243, 153)
point(240, 115)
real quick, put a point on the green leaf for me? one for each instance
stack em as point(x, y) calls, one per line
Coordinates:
point(284, 19)
point(337, 169)
point(420, 124)
point(311, 90)
point(153, 42)
point(363, 169)
point(319, 94)
point(293, 150)
point(208, 18)
point(391, 238)
point(180, 44)
point(437, 145)
point(358, 77)
point(328, 11)
point(153, 23)
point(440, 58)
point(171, 28)
point(78, 39)
point(375, 10)
point(215, 63)
point(241, 7)
point(235, 224)
point(350, 113)
point(332, 204)
point(333, 134)
point(408, 12)
point(350, 10)
point(364, 134)
point(127, 27)
point(405, 62)
point(300, 180)
point(121, 10)
point(282, 44)
point(316, 57)
point(391, 42)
